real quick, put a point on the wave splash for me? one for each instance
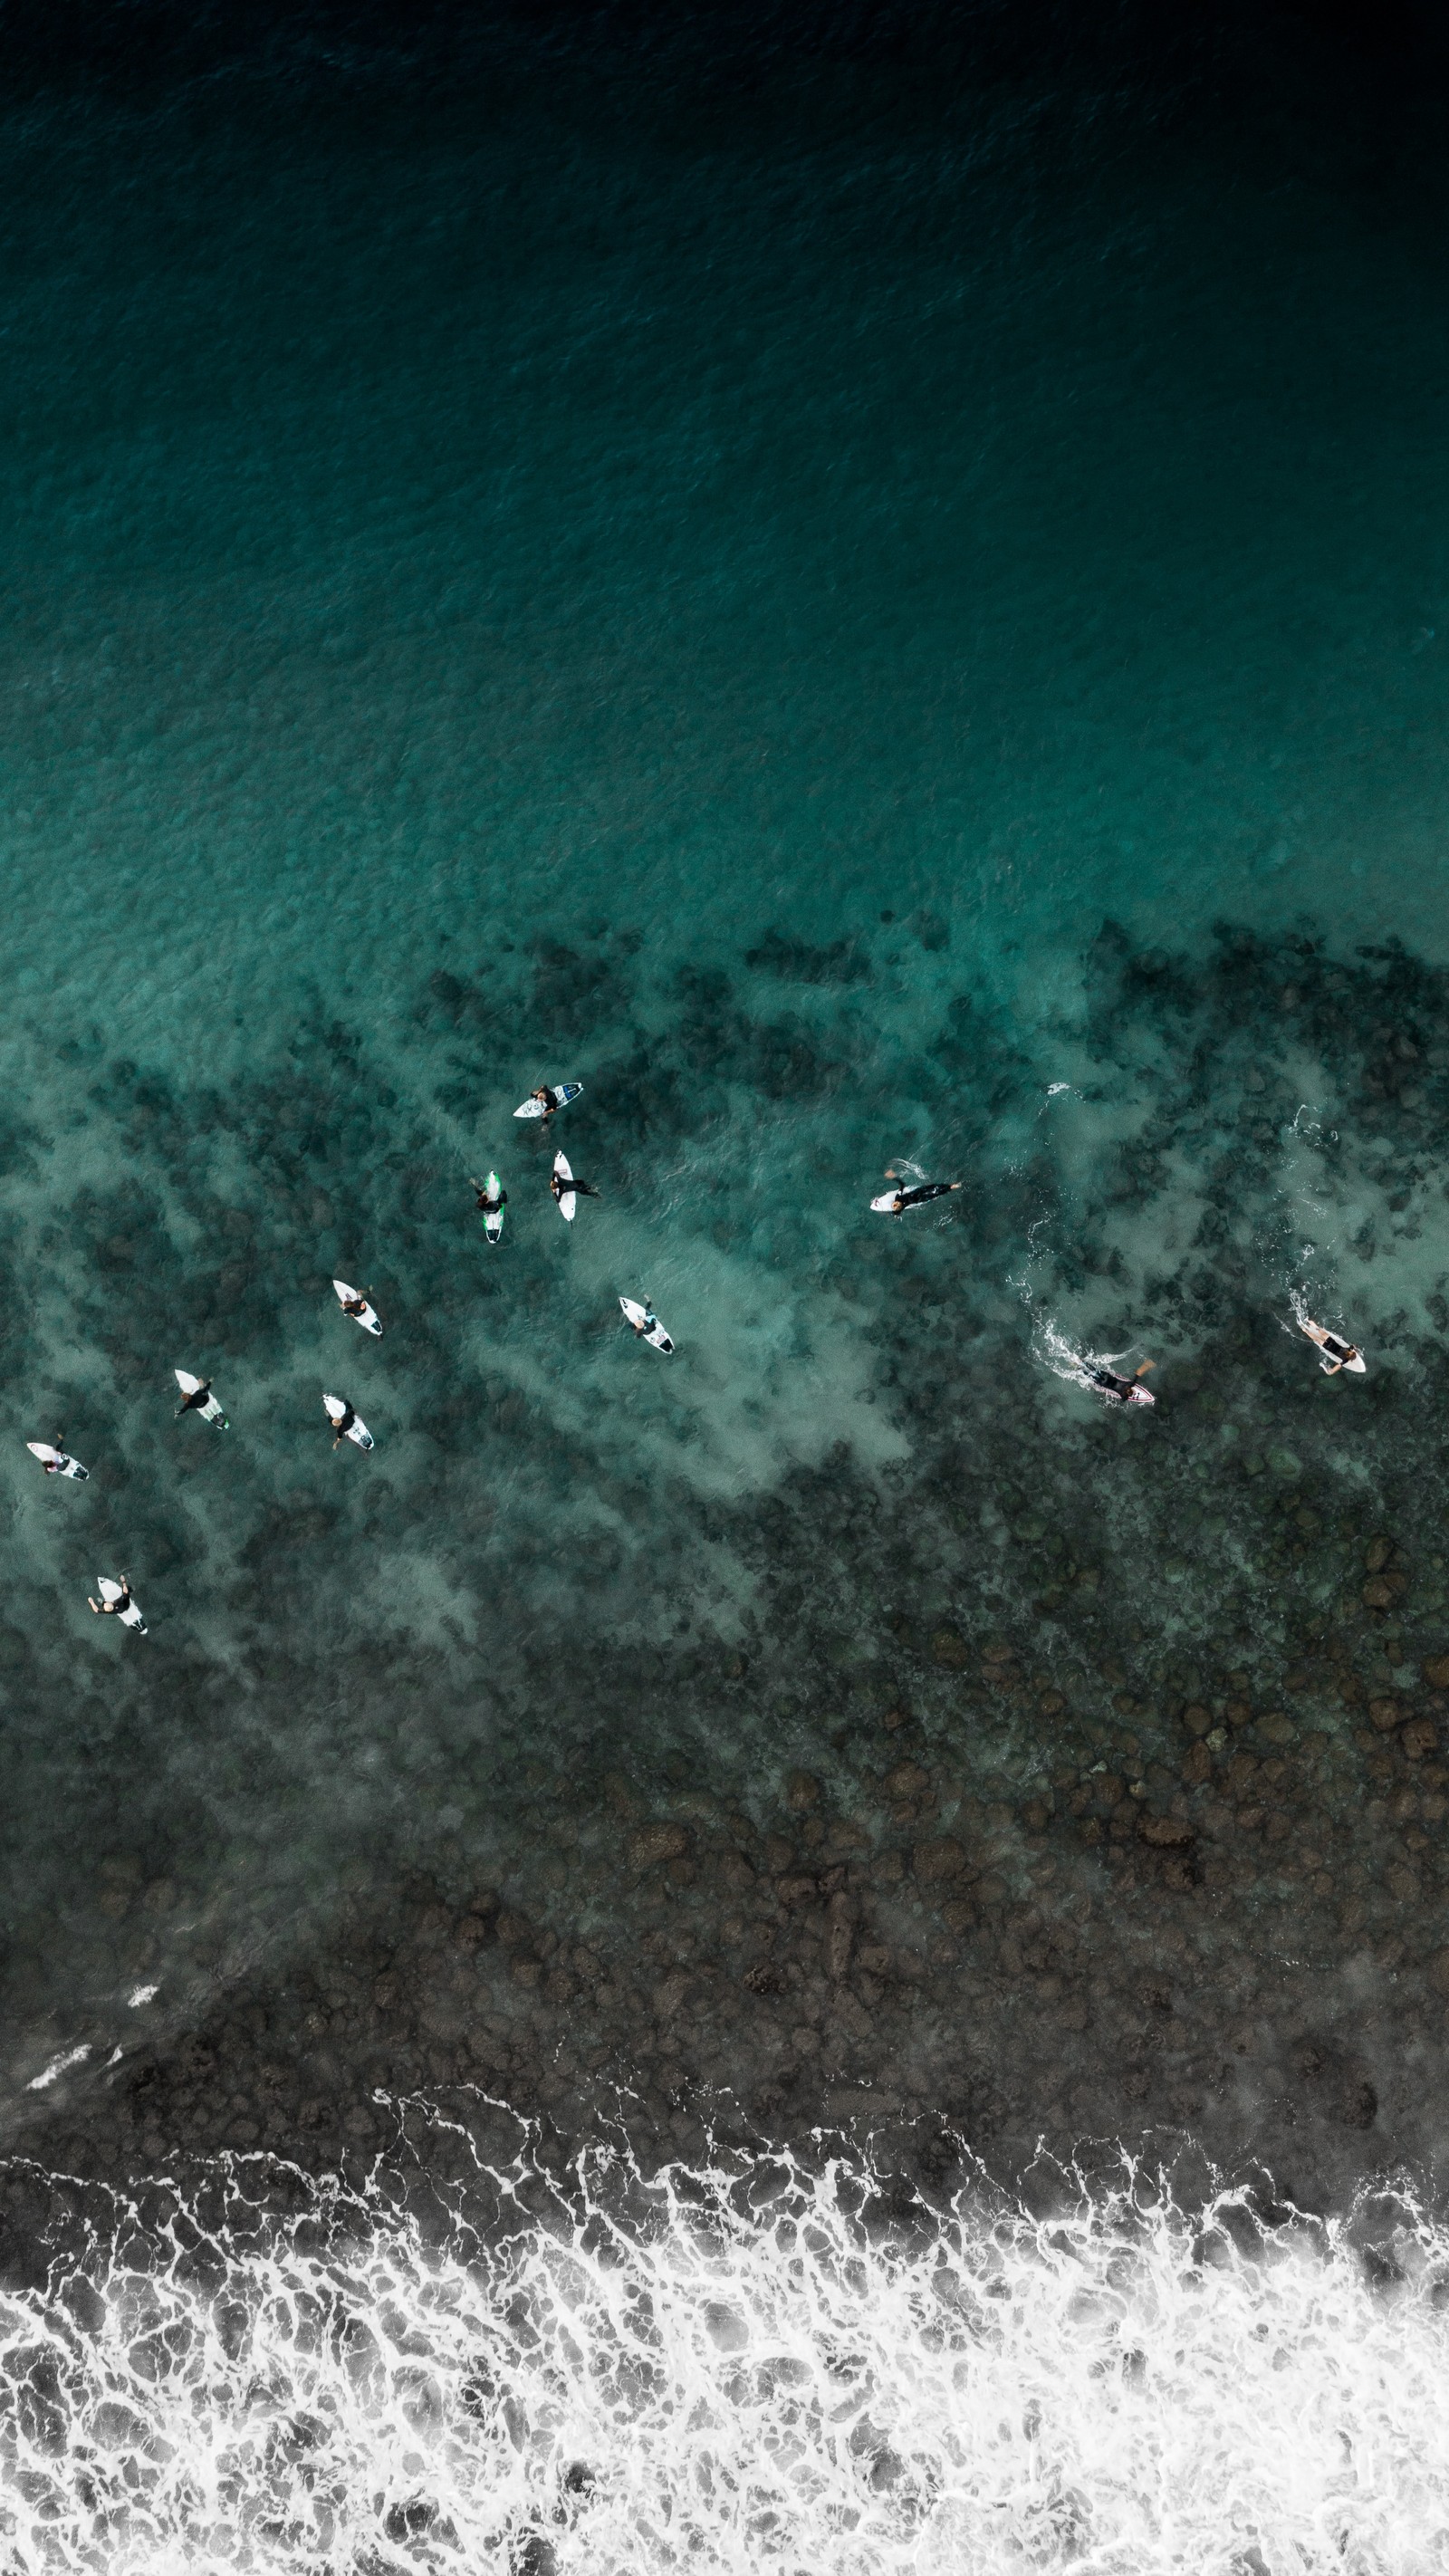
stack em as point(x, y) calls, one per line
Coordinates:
point(737, 2367)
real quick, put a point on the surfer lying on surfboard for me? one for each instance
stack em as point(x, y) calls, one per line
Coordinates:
point(1121, 1390)
point(117, 1602)
point(1338, 1354)
point(55, 1460)
point(909, 1194)
point(492, 1199)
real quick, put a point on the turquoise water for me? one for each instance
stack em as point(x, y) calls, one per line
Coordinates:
point(870, 589)
point(806, 622)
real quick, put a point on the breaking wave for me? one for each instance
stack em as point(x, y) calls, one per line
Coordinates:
point(747, 2366)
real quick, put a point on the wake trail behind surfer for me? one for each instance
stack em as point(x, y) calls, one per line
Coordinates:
point(1121, 1390)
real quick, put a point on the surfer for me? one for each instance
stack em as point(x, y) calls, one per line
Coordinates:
point(354, 1302)
point(909, 1194)
point(1122, 1390)
point(646, 1323)
point(117, 1602)
point(492, 1199)
point(564, 1186)
point(1338, 1354)
point(347, 1423)
point(546, 1098)
point(55, 1460)
point(197, 1397)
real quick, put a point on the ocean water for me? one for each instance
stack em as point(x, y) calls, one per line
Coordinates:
point(741, 2369)
point(870, 596)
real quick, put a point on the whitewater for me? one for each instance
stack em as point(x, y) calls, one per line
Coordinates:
point(734, 2366)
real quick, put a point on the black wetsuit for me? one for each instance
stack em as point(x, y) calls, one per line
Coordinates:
point(201, 1395)
point(921, 1191)
point(1111, 1384)
point(1337, 1350)
point(345, 1425)
point(490, 1207)
point(582, 1189)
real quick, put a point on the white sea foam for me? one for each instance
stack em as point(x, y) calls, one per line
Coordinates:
point(58, 2066)
point(736, 2371)
point(1059, 1355)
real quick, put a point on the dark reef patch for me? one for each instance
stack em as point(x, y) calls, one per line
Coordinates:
point(1072, 1772)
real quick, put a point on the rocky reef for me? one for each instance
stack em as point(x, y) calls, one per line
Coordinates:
point(1041, 1771)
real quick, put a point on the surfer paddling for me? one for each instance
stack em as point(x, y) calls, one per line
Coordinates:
point(55, 1460)
point(910, 1194)
point(118, 1602)
point(1118, 1389)
point(1337, 1353)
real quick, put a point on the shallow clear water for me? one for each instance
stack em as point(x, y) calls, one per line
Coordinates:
point(862, 615)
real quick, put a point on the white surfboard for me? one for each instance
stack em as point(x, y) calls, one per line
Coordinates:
point(357, 1431)
point(885, 1205)
point(651, 1332)
point(1090, 1374)
point(55, 1461)
point(559, 1096)
point(1133, 1393)
point(1318, 1333)
point(567, 1198)
point(210, 1411)
point(493, 1216)
point(351, 1298)
point(110, 1591)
